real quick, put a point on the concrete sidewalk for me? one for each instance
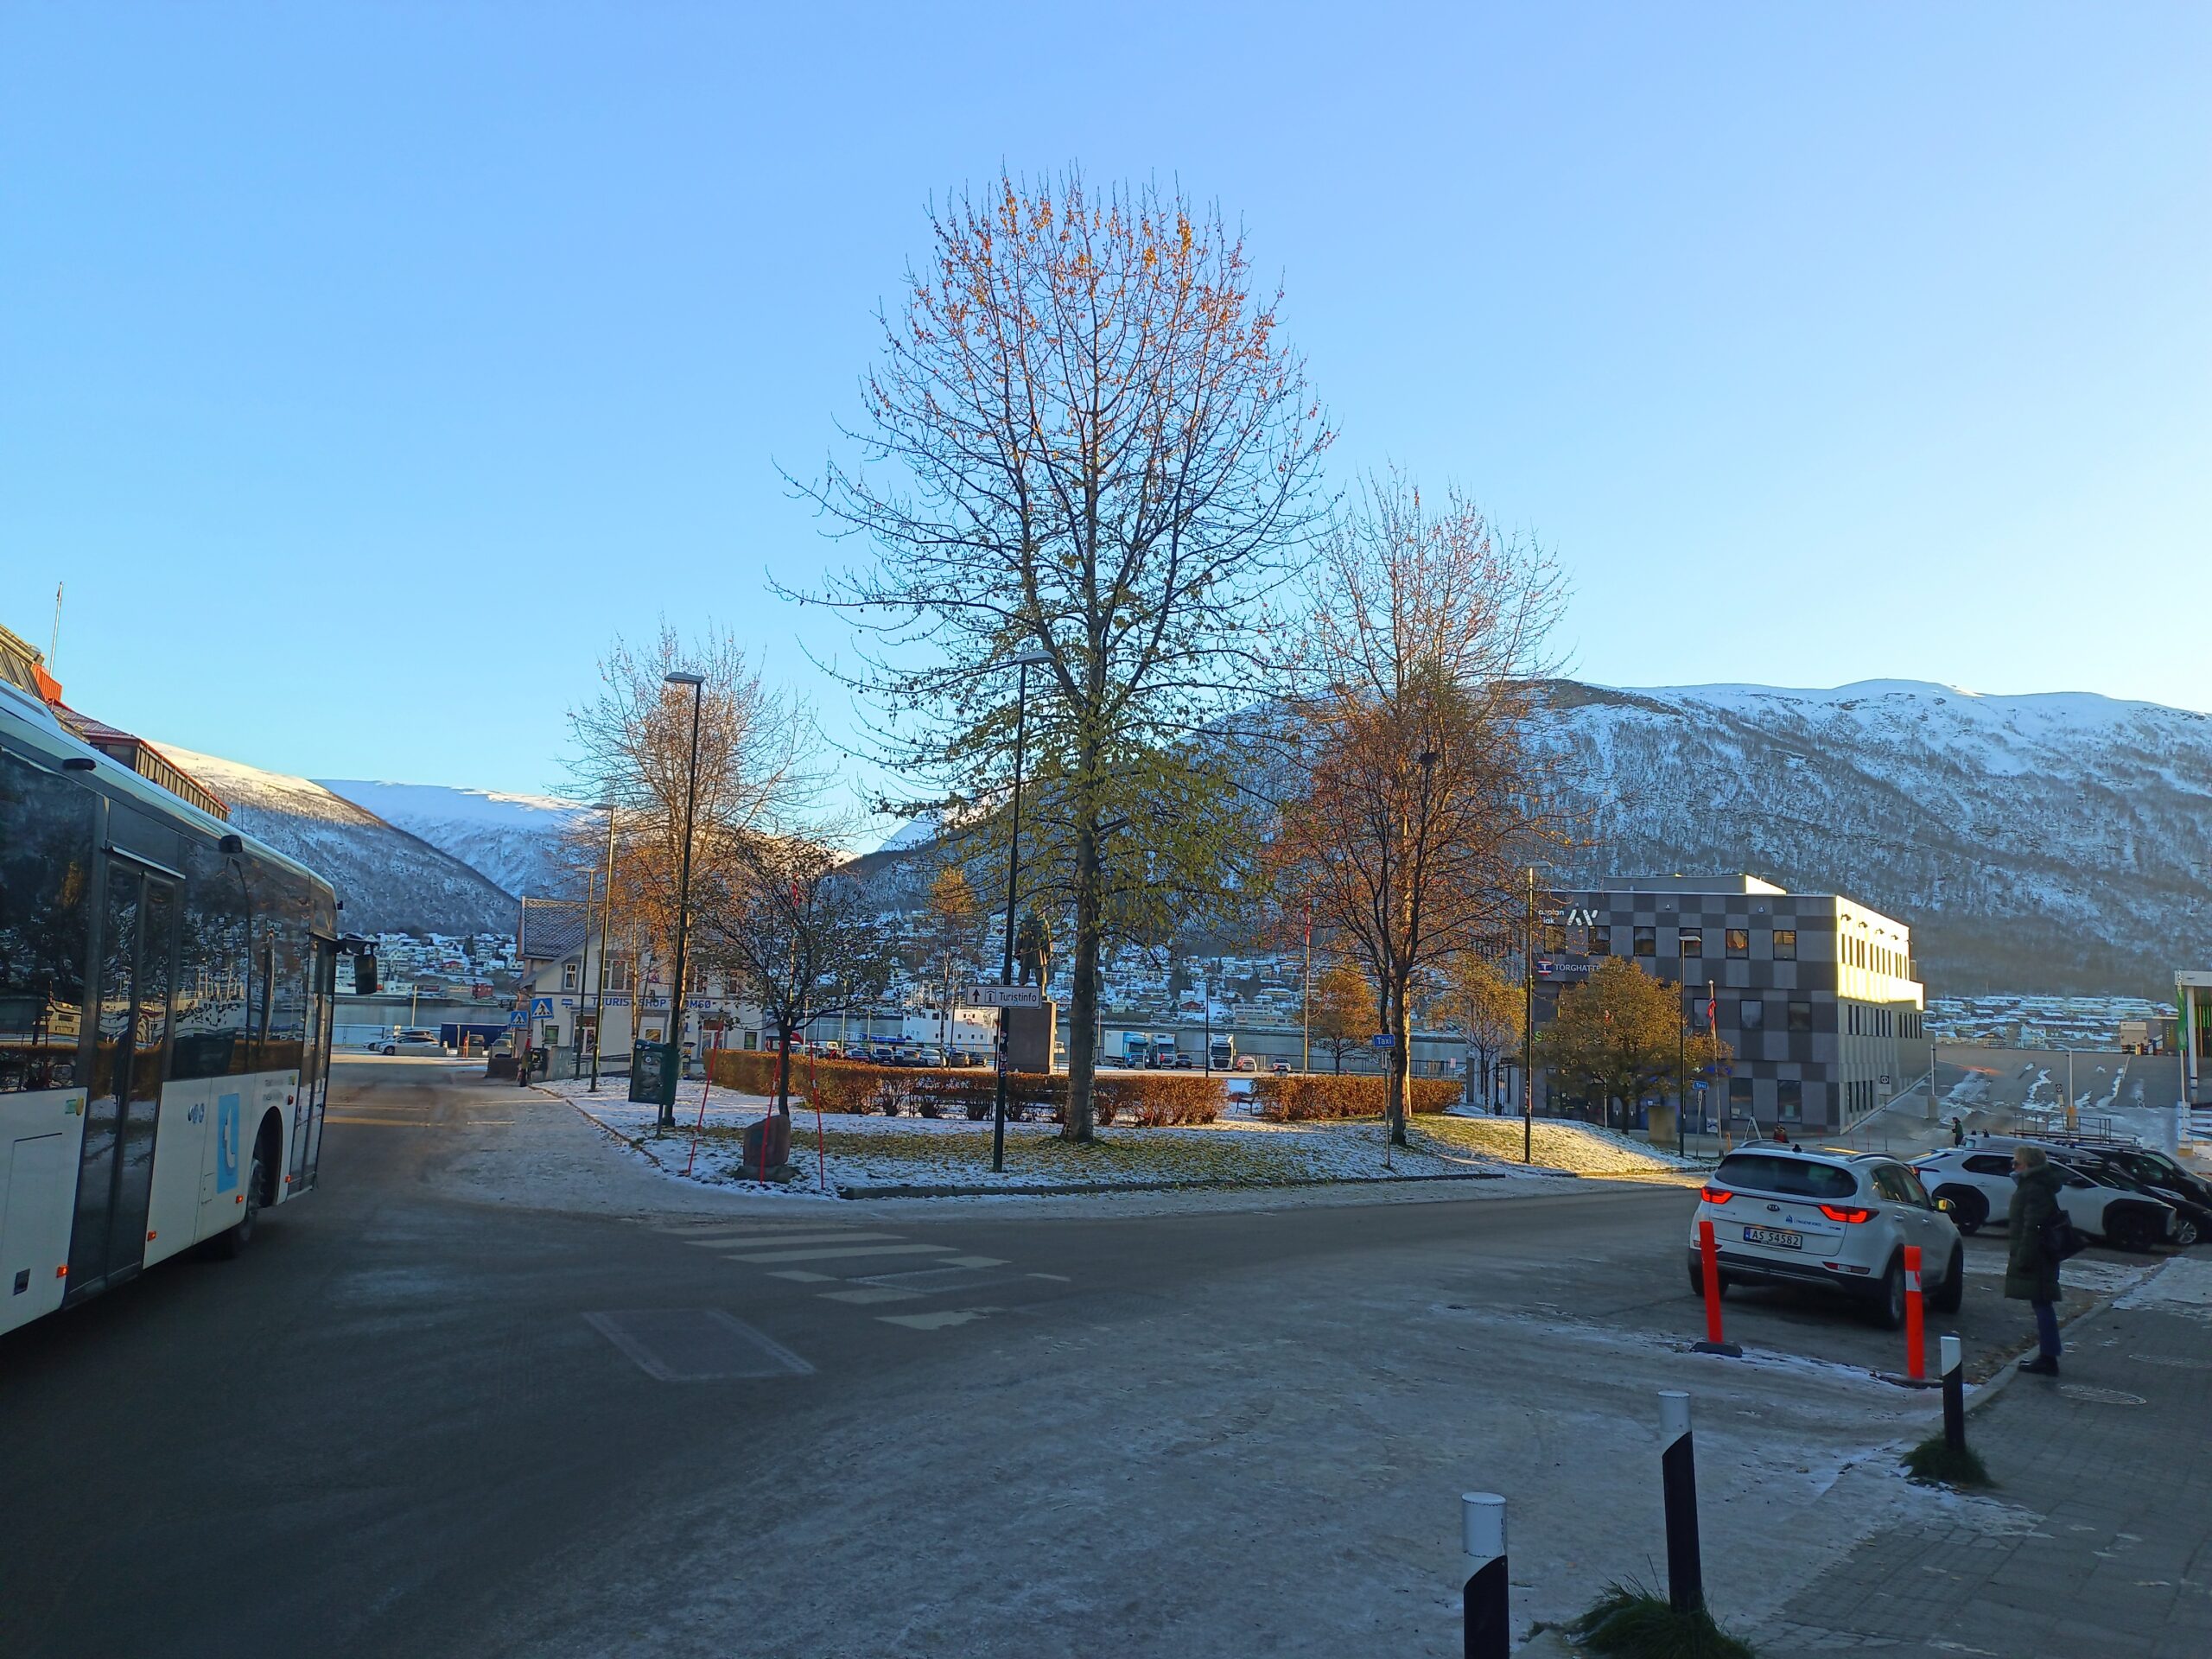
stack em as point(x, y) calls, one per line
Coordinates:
point(2096, 1541)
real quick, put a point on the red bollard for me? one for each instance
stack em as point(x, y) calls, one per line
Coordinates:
point(1709, 1258)
point(1916, 1345)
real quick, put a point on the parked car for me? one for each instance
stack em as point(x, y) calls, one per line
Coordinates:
point(1246, 1063)
point(412, 1039)
point(1281, 1069)
point(1838, 1219)
point(1977, 1180)
point(2157, 1169)
point(2192, 1219)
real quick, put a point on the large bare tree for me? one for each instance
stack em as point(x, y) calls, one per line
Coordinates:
point(632, 748)
point(1417, 792)
point(1085, 441)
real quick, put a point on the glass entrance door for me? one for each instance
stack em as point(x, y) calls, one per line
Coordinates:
point(115, 1175)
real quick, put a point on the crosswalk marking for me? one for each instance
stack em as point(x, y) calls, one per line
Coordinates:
point(863, 1296)
point(938, 1320)
point(974, 1262)
point(854, 1249)
point(749, 1239)
point(801, 1276)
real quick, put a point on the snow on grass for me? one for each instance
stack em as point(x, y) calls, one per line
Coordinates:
point(863, 1153)
point(1585, 1148)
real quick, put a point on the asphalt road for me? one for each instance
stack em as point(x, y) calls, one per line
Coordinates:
point(409, 1421)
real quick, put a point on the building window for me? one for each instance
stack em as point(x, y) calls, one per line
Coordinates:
point(1801, 1016)
point(1690, 942)
point(1785, 944)
point(1751, 1015)
point(1554, 938)
point(567, 975)
point(1740, 1097)
point(1789, 1100)
point(1738, 941)
point(1601, 941)
point(1647, 941)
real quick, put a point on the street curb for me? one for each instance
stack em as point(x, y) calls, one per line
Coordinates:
point(1084, 1188)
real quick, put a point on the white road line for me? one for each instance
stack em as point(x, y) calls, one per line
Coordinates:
point(801, 1276)
point(938, 1320)
point(751, 1239)
point(856, 1249)
point(862, 1297)
point(974, 1262)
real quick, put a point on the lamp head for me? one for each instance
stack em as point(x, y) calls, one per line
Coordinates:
point(684, 677)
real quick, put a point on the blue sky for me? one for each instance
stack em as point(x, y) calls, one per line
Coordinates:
point(364, 368)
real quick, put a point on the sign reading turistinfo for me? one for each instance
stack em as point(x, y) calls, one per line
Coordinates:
point(1004, 996)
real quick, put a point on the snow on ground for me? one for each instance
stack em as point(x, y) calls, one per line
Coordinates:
point(1585, 1148)
point(840, 1151)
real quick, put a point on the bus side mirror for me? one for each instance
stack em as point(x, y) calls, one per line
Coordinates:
point(364, 974)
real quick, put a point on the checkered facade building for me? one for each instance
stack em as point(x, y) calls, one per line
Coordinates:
point(1815, 992)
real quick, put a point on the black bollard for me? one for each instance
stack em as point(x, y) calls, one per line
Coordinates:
point(1678, 1474)
point(1489, 1632)
point(1955, 1394)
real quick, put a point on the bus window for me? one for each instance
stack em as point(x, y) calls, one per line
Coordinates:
point(45, 845)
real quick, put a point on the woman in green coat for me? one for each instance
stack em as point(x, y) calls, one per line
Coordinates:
point(2030, 1275)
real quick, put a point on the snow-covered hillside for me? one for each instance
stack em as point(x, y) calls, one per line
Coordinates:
point(511, 840)
point(391, 882)
point(2051, 842)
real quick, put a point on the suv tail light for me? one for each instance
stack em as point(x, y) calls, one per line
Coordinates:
point(1715, 1194)
point(1846, 1213)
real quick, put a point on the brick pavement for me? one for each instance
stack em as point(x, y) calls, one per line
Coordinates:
point(2096, 1542)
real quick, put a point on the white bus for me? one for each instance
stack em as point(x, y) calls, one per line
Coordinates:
point(165, 1018)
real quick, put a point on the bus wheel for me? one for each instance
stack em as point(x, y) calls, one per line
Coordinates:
point(230, 1244)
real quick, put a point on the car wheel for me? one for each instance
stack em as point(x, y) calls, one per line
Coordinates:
point(1889, 1295)
point(1952, 1290)
point(1968, 1208)
point(2186, 1232)
point(232, 1243)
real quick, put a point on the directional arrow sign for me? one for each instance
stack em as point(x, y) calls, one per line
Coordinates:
point(1004, 996)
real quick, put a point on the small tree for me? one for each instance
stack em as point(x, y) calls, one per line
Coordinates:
point(1344, 1011)
point(1622, 1036)
point(1478, 1000)
point(952, 924)
point(1419, 794)
point(782, 915)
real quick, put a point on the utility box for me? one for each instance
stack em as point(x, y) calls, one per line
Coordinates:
point(1029, 1038)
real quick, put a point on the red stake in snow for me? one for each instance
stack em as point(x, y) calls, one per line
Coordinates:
point(1709, 1258)
point(1915, 1340)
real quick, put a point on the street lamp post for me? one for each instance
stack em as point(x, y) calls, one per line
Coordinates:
point(1032, 657)
point(599, 991)
point(697, 682)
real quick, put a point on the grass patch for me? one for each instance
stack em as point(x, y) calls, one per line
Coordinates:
point(1631, 1621)
point(1934, 1462)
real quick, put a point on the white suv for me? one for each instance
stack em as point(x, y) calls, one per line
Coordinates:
point(1977, 1180)
point(1841, 1219)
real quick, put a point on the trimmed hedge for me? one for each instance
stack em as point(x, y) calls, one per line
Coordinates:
point(1300, 1099)
point(1146, 1098)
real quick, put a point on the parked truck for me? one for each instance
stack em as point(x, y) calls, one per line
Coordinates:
point(1221, 1051)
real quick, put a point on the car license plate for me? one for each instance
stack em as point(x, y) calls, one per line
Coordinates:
point(1776, 1237)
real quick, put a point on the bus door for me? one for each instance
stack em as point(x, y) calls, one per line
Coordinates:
point(315, 1065)
point(115, 1175)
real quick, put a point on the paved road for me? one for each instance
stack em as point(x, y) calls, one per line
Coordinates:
point(415, 1421)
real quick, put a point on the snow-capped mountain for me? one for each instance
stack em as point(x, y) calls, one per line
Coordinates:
point(2056, 842)
point(391, 880)
point(511, 840)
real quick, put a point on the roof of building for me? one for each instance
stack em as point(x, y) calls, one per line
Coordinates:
point(128, 749)
point(552, 929)
point(1679, 883)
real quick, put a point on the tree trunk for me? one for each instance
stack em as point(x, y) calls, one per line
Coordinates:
point(1083, 1011)
point(1402, 1064)
point(783, 1072)
point(1339, 1049)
